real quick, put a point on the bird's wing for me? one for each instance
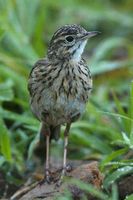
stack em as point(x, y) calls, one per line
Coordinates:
point(89, 77)
point(37, 73)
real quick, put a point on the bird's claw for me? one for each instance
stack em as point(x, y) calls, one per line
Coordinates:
point(58, 184)
point(45, 181)
point(48, 180)
point(69, 168)
point(60, 180)
point(66, 169)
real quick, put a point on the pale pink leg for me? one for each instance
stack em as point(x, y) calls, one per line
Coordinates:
point(46, 132)
point(65, 153)
point(47, 173)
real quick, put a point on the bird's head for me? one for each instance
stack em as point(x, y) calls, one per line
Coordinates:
point(68, 42)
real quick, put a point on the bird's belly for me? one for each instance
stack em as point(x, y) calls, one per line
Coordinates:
point(57, 110)
point(69, 106)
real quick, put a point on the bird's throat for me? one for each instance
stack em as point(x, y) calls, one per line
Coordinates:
point(77, 51)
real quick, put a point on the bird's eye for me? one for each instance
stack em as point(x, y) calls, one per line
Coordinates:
point(69, 38)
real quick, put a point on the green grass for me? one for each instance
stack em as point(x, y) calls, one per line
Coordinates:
point(105, 132)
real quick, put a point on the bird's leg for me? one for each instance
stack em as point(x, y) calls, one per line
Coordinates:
point(47, 172)
point(65, 153)
point(45, 130)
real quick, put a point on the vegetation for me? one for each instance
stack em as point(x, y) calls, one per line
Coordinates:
point(105, 132)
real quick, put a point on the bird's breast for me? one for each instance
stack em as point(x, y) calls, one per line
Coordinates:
point(63, 92)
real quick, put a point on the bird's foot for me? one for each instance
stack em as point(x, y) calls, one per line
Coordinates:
point(64, 171)
point(60, 180)
point(47, 178)
point(58, 184)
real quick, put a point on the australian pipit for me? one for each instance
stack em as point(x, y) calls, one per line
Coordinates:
point(60, 84)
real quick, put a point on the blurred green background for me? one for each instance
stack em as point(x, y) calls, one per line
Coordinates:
point(105, 133)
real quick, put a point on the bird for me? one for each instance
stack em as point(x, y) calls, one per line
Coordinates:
point(59, 86)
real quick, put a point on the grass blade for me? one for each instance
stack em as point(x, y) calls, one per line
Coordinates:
point(5, 145)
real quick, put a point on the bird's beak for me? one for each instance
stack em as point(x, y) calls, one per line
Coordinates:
point(89, 35)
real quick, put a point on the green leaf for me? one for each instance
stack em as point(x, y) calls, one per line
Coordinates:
point(6, 92)
point(125, 123)
point(2, 32)
point(117, 164)
point(115, 195)
point(29, 15)
point(90, 141)
point(107, 66)
point(112, 177)
point(33, 145)
point(126, 138)
point(105, 46)
point(112, 156)
point(129, 197)
point(131, 113)
point(90, 189)
point(19, 118)
point(116, 115)
point(2, 160)
point(5, 146)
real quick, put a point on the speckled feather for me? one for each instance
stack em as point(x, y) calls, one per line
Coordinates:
point(60, 84)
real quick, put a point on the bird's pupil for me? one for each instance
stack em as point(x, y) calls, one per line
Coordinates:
point(69, 38)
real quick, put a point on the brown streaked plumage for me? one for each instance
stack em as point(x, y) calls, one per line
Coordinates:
point(60, 85)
